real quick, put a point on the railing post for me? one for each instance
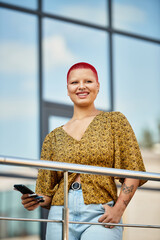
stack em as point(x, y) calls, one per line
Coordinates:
point(65, 209)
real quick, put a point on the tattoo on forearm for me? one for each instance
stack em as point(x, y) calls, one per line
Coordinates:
point(127, 189)
point(125, 202)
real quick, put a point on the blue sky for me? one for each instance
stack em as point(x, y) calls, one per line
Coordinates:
point(136, 66)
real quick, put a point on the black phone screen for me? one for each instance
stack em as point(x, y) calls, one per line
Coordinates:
point(23, 189)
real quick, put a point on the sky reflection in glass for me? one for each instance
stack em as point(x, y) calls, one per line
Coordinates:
point(137, 16)
point(91, 11)
point(19, 124)
point(137, 83)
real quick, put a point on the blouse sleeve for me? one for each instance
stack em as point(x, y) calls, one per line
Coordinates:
point(47, 179)
point(127, 152)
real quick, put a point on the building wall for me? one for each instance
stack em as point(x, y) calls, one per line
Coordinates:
point(144, 208)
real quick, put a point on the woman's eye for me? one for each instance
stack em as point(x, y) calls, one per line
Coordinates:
point(74, 82)
point(89, 81)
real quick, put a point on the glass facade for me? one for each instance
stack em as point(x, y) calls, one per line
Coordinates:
point(94, 12)
point(19, 103)
point(22, 3)
point(10, 206)
point(39, 41)
point(139, 17)
point(19, 112)
point(137, 84)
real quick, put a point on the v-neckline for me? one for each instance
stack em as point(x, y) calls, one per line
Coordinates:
point(84, 131)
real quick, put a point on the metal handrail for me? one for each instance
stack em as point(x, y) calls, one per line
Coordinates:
point(76, 222)
point(78, 168)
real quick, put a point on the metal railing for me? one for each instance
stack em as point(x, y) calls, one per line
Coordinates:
point(78, 168)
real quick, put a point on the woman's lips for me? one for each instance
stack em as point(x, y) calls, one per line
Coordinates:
point(82, 94)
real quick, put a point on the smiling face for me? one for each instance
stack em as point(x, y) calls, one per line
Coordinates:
point(82, 87)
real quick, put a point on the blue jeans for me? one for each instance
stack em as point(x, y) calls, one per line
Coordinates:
point(78, 211)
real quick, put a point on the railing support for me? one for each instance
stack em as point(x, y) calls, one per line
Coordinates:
point(65, 209)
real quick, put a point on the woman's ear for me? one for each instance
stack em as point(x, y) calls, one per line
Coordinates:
point(67, 90)
point(98, 86)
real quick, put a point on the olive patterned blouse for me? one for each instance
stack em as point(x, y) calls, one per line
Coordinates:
point(108, 141)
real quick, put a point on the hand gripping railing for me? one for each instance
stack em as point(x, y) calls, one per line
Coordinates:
point(78, 168)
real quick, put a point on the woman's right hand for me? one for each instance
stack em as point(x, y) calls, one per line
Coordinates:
point(29, 203)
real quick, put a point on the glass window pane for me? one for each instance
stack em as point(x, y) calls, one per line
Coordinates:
point(22, 3)
point(19, 124)
point(10, 206)
point(137, 86)
point(65, 44)
point(141, 17)
point(94, 11)
point(56, 121)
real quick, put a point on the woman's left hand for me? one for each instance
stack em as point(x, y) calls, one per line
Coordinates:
point(111, 215)
point(114, 214)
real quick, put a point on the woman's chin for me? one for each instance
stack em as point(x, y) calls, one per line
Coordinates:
point(83, 104)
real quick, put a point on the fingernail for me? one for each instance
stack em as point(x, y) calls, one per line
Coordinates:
point(32, 195)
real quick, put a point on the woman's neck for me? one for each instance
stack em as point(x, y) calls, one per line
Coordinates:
point(80, 113)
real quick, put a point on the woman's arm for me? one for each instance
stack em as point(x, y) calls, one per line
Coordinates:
point(31, 203)
point(114, 214)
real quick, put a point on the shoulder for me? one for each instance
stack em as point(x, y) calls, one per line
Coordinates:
point(118, 117)
point(53, 135)
point(114, 116)
point(49, 138)
point(54, 132)
point(117, 120)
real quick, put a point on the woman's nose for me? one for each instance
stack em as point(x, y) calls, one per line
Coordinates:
point(82, 85)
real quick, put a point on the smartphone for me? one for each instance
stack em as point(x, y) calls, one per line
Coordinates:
point(25, 190)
